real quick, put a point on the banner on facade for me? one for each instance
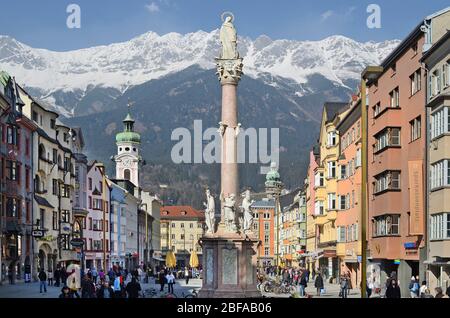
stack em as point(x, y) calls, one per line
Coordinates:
point(415, 170)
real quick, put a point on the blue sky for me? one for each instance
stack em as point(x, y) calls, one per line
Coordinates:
point(43, 23)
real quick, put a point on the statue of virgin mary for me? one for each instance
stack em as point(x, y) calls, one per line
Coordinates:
point(228, 37)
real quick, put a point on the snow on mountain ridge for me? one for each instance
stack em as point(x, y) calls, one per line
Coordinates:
point(151, 56)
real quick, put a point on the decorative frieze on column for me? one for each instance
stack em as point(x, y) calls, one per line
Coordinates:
point(229, 71)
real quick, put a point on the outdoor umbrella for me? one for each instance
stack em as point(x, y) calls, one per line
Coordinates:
point(193, 261)
point(171, 261)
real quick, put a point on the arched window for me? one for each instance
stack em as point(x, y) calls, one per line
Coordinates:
point(42, 152)
point(37, 184)
point(127, 174)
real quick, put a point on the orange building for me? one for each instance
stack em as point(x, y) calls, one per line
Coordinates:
point(264, 226)
point(348, 247)
point(396, 152)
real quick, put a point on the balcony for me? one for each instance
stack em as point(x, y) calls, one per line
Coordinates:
point(332, 215)
point(80, 213)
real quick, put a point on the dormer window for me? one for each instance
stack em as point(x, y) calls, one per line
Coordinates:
point(183, 212)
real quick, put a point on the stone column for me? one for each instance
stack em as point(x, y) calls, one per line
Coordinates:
point(229, 72)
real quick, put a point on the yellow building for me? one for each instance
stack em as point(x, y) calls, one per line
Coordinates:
point(325, 187)
point(181, 229)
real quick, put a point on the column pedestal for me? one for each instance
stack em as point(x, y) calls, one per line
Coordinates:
point(229, 266)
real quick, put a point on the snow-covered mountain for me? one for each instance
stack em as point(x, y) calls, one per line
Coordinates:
point(118, 66)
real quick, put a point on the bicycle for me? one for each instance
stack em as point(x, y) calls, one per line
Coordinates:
point(193, 294)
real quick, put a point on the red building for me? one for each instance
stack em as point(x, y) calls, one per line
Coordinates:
point(16, 186)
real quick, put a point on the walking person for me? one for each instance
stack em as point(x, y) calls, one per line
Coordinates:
point(439, 293)
point(94, 274)
point(319, 283)
point(117, 287)
point(343, 286)
point(11, 275)
point(57, 276)
point(162, 279)
point(170, 282)
point(105, 291)
point(393, 290)
point(186, 275)
point(423, 289)
point(72, 283)
point(414, 288)
point(303, 284)
point(133, 288)
point(42, 281)
point(50, 277)
point(87, 287)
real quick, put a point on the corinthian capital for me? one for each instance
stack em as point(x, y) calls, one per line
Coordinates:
point(229, 71)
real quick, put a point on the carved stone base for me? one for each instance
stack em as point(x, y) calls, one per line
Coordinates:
point(229, 266)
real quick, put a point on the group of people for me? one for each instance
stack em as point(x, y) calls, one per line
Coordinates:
point(416, 289)
point(52, 278)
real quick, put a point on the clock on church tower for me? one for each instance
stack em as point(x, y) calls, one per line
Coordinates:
point(128, 158)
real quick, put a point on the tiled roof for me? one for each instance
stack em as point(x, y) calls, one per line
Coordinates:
point(264, 204)
point(180, 212)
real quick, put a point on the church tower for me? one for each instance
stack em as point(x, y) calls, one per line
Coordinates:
point(128, 159)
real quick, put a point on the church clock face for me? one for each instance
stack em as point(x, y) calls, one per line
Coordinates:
point(127, 162)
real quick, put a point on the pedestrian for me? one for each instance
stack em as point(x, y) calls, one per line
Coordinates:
point(423, 289)
point(393, 290)
point(344, 286)
point(65, 292)
point(133, 288)
point(57, 276)
point(414, 288)
point(50, 277)
point(94, 274)
point(11, 275)
point(439, 293)
point(87, 287)
point(101, 275)
point(42, 281)
point(447, 292)
point(303, 284)
point(105, 291)
point(319, 283)
point(117, 287)
point(186, 275)
point(162, 279)
point(170, 282)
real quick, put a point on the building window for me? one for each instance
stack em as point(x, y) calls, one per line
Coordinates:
point(65, 216)
point(266, 239)
point(266, 226)
point(65, 191)
point(343, 172)
point(90, 183)
point(331, 169)
point(331, 139)
point(318, 208)
point(440, 123)
point(182, 225)
point(173, 225)
point(394, 98)
point(55, 187)
point(127, 174)
point(12, 135)
point(376, 110)
point(344, 202)
point(416, 81)
point(12, 207)
point(415, 127)
point(266, 251)
point(445, 74)
point(12, 170)
point(34, 116)
point(52, 123)
point(55, 222)
point(440, 226)
point(341, 234)
point(414, 49)
point(389, 137)
point(440, 174)
point(386, 225)
point(64, 241)
point(331, 201)
point(436, 82)
point(388, 180)
point(319, 179)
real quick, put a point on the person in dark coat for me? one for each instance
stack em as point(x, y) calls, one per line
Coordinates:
point(105, 291)
point(318, 283)
point(133, 288)
point(65, 293)
point(162, 279)
point(42, 281)
point(87, 287)
point(57, 276)
point(303, 284)
point(393, 290)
